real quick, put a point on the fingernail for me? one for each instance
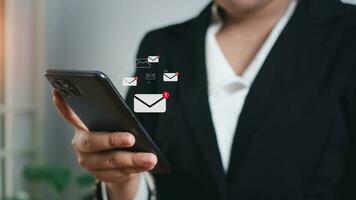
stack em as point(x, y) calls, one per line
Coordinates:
point(148, 159)
point(128, 140)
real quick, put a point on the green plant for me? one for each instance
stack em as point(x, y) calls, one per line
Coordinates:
point(56, 177)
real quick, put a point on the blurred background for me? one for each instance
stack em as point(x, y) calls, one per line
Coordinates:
point(36, 158)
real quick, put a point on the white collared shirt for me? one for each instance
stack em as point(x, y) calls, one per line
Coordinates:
point(227, 91)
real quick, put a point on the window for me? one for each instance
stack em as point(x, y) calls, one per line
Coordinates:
point(20, 92)
point(2, 63)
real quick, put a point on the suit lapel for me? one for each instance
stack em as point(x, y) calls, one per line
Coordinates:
point(194, 98)
point(288, 63)
point(290, 58)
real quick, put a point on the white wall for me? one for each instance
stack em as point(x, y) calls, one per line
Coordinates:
point(349, 1)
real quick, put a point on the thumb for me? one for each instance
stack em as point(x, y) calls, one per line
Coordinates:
point(66, 112)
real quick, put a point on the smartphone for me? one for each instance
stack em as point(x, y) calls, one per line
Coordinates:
point(95, 100)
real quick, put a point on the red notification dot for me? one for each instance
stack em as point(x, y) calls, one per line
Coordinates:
point(177, 73)
point(165, 94)
point(136, 78)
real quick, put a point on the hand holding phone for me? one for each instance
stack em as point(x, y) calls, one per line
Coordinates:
point(96, 153)
point(109, 140)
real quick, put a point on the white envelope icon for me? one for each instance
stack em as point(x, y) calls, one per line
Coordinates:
point(153, 59)
point(129, 81)
point(142, 63)
point(170, 77)
point(149, 103)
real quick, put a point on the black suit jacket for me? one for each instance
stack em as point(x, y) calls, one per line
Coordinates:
point(295, 138)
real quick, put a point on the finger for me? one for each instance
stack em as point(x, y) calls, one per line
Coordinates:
point(66, 112)
point(134, 170)
point(127, 162)
point(99, 141)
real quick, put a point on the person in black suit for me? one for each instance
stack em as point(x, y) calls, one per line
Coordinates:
point(295, 133)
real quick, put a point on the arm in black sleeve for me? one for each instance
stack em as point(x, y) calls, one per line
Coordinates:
point(335, 178)
point(347, 187)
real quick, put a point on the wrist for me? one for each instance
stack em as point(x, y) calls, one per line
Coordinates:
point(124, 189)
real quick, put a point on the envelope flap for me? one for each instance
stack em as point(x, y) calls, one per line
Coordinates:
point(153, 58)
point(170, 75)
point(141, 60)
point(129, 79)
point(149, 99)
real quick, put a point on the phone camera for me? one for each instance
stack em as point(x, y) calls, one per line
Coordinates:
point(65, 88)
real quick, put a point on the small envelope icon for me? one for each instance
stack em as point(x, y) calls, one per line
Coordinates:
point(142, 63)
point(170, 77)
point(149, 103)
point(153, 59)
point(150, 77)
point(129, 81)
